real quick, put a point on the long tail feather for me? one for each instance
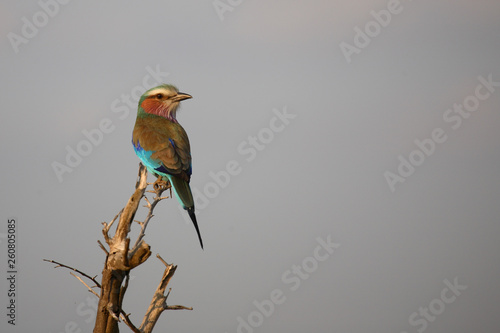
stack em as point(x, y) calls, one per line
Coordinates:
point(193, 218)
point(183, 193)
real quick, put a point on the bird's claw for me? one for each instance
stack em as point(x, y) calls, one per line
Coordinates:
point(160, 185)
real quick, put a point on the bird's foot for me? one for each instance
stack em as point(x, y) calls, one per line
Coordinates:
point(161, 185)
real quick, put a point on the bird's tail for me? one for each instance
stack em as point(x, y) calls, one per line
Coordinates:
point(193, 218)
point(183, 193)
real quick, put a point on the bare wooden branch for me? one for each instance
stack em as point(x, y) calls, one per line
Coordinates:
point(115, 218)
point(120, 259)
point(111, 310)
point(105, 323)
point(160, 187)
point(177, 307)
point(75, 270)
point(161, 259)
point(159, 302)
point(117, 261)
point(86, 285)
point(140, 255)
point(105, 229)
point(126, 320)
point(102, 247)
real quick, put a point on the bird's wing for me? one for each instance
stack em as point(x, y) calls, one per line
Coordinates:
point(169, 146)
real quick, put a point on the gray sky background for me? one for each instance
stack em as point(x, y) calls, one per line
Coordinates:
point(322, 175)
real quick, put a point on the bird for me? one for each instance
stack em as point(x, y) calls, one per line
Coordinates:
point(162, 144)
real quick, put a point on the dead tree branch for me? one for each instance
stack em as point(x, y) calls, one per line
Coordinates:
point(75, 270)
point(86, 285)
point(120, 259)
point(118, 262)
point(159, 302)
point(159, 187)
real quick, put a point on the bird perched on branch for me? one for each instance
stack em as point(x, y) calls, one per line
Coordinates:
point(163, 145)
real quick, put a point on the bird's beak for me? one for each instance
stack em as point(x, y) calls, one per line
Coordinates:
point(180, 97)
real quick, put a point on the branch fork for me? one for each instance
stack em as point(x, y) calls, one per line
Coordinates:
point(120, 259)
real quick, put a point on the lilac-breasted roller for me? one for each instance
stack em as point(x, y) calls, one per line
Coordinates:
point(163, 145)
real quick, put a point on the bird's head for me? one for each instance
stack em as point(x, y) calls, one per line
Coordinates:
point(162, 101)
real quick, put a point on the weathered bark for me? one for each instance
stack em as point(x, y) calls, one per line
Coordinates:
point(120, 259)
point(117, 263)
point(159, 302)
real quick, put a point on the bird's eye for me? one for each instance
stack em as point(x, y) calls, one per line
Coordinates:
point(159, 96)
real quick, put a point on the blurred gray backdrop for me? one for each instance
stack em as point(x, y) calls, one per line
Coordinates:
point(345, 161)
